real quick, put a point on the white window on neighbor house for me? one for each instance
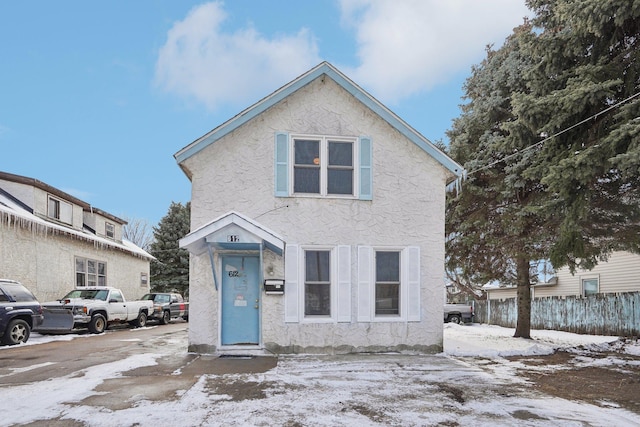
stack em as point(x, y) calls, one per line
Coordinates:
point(590, 286)
point(109, 230)
point(388, 284)
point(323, 166)
point(317, 284)
point(90, 272)
point(59, 210)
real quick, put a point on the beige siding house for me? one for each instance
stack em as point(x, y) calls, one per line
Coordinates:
point(620, 273)
point(317, 220)
point(53, 242)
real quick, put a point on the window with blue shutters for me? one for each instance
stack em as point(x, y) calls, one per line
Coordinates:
point(323, 166)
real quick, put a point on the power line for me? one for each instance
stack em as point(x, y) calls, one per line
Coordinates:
point(554, 135)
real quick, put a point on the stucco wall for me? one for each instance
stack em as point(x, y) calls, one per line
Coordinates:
point(45, 262)
point(236, 173)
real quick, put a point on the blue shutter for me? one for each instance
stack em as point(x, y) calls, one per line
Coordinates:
point(282, 165)
point(366, 173)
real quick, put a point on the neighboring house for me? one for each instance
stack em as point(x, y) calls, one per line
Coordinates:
point(53, 242)
point(602, 301)
point(317, 220)
point(620, 273)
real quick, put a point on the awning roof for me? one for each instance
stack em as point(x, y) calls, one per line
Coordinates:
point(232, 231)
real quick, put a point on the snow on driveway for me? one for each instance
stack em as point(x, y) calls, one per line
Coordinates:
point(452, 388)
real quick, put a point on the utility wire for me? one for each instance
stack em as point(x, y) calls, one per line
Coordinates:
point(554, 135)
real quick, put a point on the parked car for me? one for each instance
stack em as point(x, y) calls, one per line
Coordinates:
point(458, 313)
point(167, 306)
point(93, 308)
point(20, 312)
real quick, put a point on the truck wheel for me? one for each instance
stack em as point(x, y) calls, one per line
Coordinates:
point(166, 317)
point(98, 324)
point(141, 321)
point(18, 331)
point(454, 318)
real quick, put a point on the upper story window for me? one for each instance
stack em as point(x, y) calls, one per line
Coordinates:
point(109, 230)
point(59, 210)
point(323, 166)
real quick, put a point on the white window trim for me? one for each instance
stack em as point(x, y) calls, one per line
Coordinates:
point(588, 277)
point(86, 272)
point(65, 208)
point(333, 278)
point(402, 316)
point(106, 230)
point(324, 143)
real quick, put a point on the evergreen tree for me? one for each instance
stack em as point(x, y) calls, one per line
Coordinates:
point(572, 197)
point(170, 270)
point(586, 80)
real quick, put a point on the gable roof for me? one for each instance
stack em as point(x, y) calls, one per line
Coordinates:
point(323, 69)
point(196, 242)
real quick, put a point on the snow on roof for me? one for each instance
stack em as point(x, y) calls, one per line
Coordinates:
point(21, 217)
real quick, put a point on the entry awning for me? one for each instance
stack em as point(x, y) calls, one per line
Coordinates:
point(232, 231)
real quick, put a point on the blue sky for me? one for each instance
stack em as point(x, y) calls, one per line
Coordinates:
point(96, 97)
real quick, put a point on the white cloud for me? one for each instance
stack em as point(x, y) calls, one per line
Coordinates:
point(403, 48)
point(201, 61)
point(410, 46)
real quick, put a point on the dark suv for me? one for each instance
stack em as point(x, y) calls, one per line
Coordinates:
point(20, 312)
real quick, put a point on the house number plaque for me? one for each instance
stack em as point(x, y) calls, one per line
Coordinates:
point(233, 238)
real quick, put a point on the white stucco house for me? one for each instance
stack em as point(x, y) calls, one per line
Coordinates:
point(317, 220)
point(53, 242)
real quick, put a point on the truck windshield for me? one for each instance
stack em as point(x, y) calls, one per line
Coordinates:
point(100, 294)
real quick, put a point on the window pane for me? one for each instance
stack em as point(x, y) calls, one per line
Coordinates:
point(54, 209)
point(339, 181)
point(340, 154)
point(590, 287)
point(80, 266)
point(306, 180)
point(91, 266)
point(387, 298)
point(80, 280)
point(317, 266)
point(307, 152)
point(102, 268)
point(317, 299)
point(387, 266)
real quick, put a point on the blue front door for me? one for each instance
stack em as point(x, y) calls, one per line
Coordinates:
point(240, 300)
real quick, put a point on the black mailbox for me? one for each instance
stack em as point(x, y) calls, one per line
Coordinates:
point(274, 286)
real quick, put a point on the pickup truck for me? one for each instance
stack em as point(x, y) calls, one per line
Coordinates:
point(20, 312)
point(167, 306)
point(458, 313)
point(93, 308)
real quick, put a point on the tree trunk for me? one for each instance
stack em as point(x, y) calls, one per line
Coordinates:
point(523, 327)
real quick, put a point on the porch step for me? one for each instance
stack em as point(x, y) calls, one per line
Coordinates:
point(244, 353)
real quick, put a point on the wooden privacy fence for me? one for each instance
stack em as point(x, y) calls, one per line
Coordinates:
point(602, 314)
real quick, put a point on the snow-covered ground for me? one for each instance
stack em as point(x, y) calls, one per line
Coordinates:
point(352, 390)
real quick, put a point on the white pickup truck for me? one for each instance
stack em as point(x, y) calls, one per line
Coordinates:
point(93, 308)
